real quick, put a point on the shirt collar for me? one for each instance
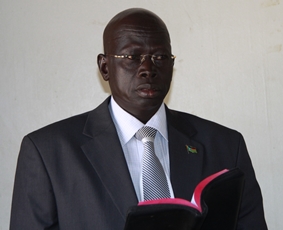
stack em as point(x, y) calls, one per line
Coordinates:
point(127, 125)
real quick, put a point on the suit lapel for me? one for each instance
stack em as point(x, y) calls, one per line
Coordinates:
point(105, 153)
point(185, 166)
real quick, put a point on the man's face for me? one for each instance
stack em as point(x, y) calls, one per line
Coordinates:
point(134, 86)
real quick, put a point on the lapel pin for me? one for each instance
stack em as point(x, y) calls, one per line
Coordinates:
point(191, 149)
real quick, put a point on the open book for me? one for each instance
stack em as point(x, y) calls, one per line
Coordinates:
point(215, 205)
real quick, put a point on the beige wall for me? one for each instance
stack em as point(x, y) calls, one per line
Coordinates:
point(228, 69)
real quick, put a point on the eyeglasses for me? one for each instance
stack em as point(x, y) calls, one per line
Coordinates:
point(137, 60)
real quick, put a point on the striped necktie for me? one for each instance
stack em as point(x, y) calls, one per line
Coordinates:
point(154, 180)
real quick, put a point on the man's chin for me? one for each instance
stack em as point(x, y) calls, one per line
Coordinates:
point(149, 103)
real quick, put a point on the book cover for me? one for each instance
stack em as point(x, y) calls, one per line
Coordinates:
point(215, 205)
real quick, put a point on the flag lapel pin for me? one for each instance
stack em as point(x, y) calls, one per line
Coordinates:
point(191, 149)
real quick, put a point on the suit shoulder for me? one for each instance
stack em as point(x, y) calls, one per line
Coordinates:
point(202, 125)
point(65, 126)
point(73, 128)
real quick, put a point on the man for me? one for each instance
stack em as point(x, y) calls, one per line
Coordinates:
point(82, 172)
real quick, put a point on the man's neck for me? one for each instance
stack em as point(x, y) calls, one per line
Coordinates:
point(142, 113)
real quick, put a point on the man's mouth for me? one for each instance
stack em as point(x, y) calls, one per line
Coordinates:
point(148, 90)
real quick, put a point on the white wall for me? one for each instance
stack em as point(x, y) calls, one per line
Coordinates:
point(228, 69)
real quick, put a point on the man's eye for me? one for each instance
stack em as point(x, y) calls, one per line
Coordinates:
point(161, 57)
point(133, 57)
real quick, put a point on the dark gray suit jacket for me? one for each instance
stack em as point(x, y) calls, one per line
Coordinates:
point(73, 174)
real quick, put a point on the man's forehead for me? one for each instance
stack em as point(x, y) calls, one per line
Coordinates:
point(138, 30)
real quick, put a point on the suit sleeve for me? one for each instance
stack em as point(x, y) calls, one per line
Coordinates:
point(251, 216)
point(33, 204)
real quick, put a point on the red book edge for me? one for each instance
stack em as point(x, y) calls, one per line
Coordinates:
point(197, 194)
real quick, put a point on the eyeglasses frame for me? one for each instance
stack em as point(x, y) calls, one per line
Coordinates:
point(142, 57)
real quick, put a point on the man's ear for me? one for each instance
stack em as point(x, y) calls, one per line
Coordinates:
point(102, 65)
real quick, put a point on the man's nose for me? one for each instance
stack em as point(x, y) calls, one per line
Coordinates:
point(147, 67)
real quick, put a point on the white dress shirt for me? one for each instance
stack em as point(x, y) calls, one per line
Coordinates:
point(127, 126)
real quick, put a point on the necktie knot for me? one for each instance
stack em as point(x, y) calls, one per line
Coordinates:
point(146, 133)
